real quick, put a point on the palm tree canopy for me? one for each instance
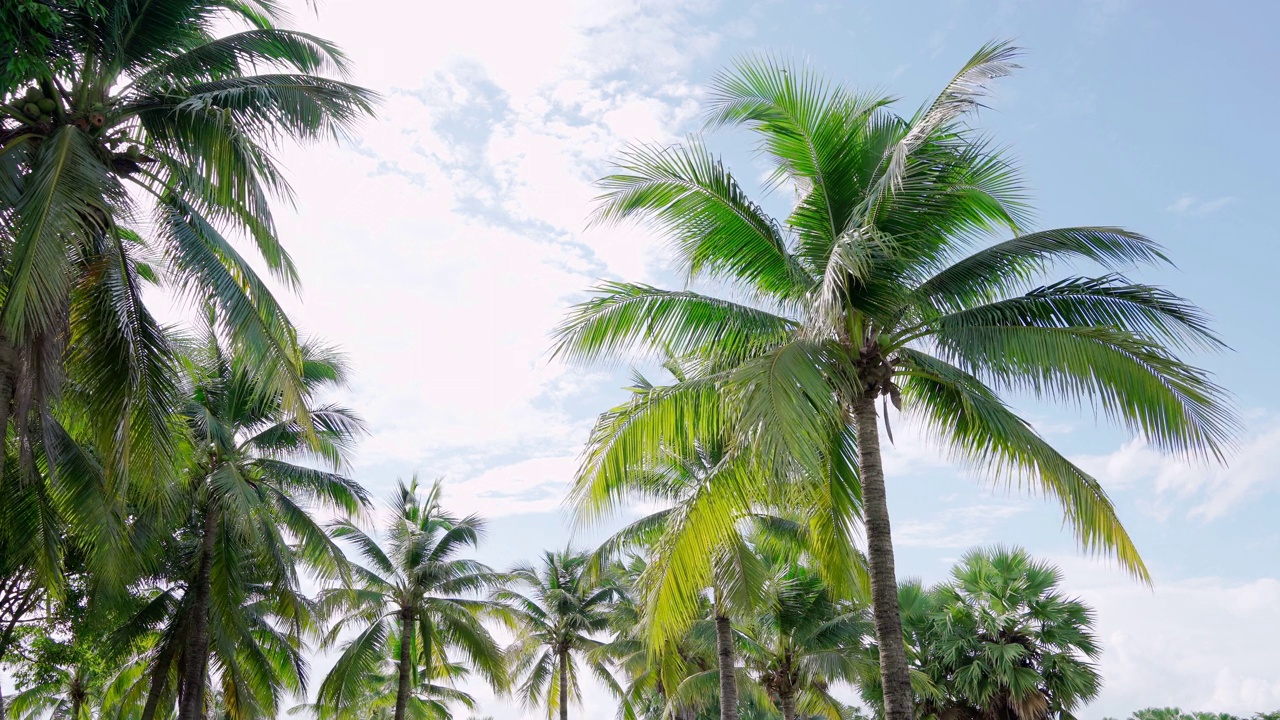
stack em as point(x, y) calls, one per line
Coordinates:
point(253, 469)
point(415, 575)
point(127, 155)
point(907, 268)
point(559, 610)
point(999, 640)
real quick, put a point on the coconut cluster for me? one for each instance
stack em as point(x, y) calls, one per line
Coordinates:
point(41, 110)
point(34, 107)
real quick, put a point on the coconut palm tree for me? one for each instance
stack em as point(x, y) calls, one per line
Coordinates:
point(699, 539)
point(1000, 641)
point(803, 641)
point(558, 609)
point(128, 152)
point(417, 597)
point(432, 696)
point(882, 285)
point(227, 581)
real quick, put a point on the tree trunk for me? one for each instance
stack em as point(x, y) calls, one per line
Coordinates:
point(159, 679)
point(564, 683)
point(894, 673)
point(197, 655)
point(787, 699)
point(724, 655)
point(406, 662)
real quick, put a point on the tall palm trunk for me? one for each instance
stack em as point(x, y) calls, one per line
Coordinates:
point(787, 699)
point(724, 656)
point(197, 653)
point(894, 673)
point(564, 683)
point(406, 660)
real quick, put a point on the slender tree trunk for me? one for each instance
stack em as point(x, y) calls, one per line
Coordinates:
point(406, 662)
point(724, 655)
point(159, 679)
point(564, 683)
point(197, 655)
point(894, 673)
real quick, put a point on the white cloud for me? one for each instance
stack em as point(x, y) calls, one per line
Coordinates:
point(1192, 206)
point(962, 527)
point(1199, 644)
point(442, 249)
point(1204, 491)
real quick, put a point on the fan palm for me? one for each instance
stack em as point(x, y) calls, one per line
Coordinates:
point(879, 284)
point(558, 609)
point(1001, 642)
point(127, 155)
point(228, 583)
point(416, 596)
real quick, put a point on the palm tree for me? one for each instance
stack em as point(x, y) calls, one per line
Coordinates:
point(127, 152)
point(557, 616)
point(413, 597)
point(804, 640)
point(699, 541)
point(431, 696)
point(228, 583)
point(1000, 641)
point(690, 489)
point(872, 288)
point(69, 695)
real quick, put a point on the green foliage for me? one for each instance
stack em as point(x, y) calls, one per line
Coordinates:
point(1173, 713)
point(999, 639)
point(557, 609)
point(133, 139)
point(413, 602)
point(906, 271)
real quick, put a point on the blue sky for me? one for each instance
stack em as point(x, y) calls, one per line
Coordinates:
point(442, 245)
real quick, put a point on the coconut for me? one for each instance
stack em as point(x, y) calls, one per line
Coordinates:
point(46, 104)
point(44, 120)
point(31, 109)
point(133, 151)
point(97, 120)
point(33, 95)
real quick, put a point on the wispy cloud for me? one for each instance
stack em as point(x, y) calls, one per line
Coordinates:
point(1196, 490)
point(1221, 661)
point(962, 527)
point(1192, 206)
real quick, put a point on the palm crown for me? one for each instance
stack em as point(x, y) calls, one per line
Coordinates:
point(881, 283)
point(142, 109)
point(559, 608)
point(419, 587)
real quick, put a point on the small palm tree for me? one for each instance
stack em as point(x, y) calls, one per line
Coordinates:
point(417, 598)
point(999, 642)
point(558, 609)
point(70, 695)
point(432, 696)
point(884, 284)
point(226, 579)
point(803, 641)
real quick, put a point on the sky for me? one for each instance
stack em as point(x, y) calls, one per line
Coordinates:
point(442, 243)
